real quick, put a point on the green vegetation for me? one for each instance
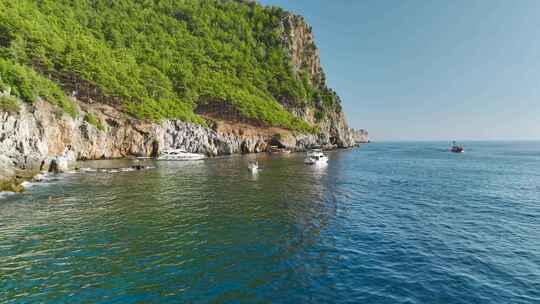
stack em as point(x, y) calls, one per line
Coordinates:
point(12, 185)
point(28, 85)
point(157, 59)
point(92, 119)
point(319, 115)
point(9, 104)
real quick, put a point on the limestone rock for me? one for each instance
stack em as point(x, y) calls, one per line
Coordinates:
point(39, 137)
point(361, 136)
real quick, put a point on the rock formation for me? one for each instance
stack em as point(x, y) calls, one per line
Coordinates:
point(41, 133)
point(360, 136)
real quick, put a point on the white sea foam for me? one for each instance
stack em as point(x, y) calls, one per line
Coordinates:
point(88, 170)
point(4, 194)
point(27, 184)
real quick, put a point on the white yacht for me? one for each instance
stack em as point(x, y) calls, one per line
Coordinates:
point(179, 154)
point(315, 157)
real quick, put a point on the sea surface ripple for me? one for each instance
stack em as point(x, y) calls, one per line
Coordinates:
point(386, 223)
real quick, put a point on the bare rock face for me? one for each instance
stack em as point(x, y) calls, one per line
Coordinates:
point(41, 133)
point(361, 136)
point(297, 37)
point(6, 166)
point(334, 131)
point(20, 141)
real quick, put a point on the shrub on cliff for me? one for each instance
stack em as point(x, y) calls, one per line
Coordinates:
point(91, 119)
point(13, 185)
point(9, 104)
point(28, 85)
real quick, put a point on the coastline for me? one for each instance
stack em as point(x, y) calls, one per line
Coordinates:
point(94, 125)
point(39, 134)
point(24, 179)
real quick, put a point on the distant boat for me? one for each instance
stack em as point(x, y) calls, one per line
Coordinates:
point(315, 157)
point(457, 148)
point(179, 154)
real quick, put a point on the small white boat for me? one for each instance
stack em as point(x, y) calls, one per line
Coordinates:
point(457, 148)
point(253, 167)
point(315, 157)
point(179, 154)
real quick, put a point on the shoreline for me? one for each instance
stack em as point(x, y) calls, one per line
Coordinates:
point(36, 136)
point(16, 184)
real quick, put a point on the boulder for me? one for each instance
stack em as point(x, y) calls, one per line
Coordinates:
point(54, 167)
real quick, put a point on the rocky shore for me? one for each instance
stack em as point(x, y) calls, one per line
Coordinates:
point(40, 133)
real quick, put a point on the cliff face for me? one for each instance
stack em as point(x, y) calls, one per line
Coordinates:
point(298, 39)
point(40, 132)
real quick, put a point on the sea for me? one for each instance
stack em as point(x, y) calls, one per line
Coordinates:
point(388, 222)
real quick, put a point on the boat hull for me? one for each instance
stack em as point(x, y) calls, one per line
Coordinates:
point(179, 155)
point(315, 157)
point(181, 158)
point(310, 161)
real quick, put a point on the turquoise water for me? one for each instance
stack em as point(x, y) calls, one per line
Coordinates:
point(387, 223)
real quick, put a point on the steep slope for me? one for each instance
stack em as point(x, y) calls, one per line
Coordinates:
point(111, 78)
point(323, 106)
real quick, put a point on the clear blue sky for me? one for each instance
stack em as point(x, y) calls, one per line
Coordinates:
point(421, 70)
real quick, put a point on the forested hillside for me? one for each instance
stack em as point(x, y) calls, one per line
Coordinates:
point(155, 59)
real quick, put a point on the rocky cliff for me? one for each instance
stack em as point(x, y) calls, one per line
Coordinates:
point(40, 131)
point(297, 38)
